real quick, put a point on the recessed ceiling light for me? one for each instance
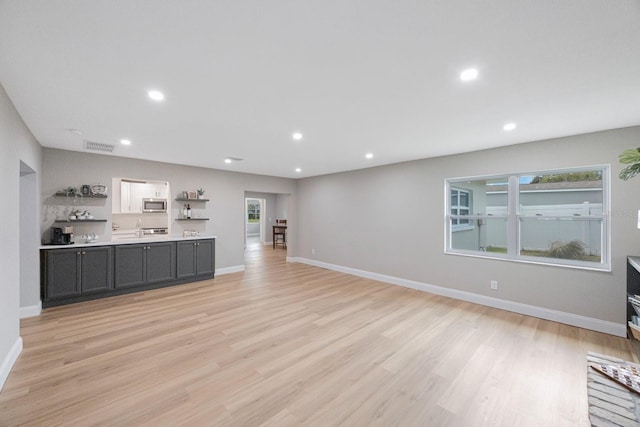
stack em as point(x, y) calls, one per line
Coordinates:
point(297, 136)
point(469, 74)
point(298, 170)
point(369, 155)
point(125, 142)
point(509, 127)
point(156, 95)
point(232, 159)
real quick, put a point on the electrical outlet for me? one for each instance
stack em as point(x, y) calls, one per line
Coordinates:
point(494, 285)
point(313, 251)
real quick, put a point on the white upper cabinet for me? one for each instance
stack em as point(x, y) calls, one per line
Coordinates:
point(132, 192)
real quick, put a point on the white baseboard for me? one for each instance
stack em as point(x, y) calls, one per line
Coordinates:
point(598, 325)
point(229, 270)
point(9, 361)
point(31, 310)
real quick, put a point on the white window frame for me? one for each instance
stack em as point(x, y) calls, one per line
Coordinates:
point(514, 219)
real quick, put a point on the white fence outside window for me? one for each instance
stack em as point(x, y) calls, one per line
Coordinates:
point(542, 228)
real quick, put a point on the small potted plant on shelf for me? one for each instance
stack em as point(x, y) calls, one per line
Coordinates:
point(200, 193)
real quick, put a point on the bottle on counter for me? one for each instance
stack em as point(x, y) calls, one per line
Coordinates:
point(188, 211)
point(184, 210)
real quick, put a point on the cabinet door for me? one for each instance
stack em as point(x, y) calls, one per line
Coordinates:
point(96, 269)
point(130, 268)
point(62, 273)
point(136, 194)
point(186, 259)
point(160, 262)
point(205, 250)
point(125, 194)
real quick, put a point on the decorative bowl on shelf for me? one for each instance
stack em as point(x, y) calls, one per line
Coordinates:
point(99, 189)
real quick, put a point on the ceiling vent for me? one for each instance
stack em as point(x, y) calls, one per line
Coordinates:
point(97, 146)
point(235, 159)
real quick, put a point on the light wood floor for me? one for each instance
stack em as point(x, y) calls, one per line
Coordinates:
point(290, 344)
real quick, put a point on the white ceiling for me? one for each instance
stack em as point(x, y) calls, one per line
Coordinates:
point(354, 76)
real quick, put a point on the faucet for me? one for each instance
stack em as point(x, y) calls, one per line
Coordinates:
point(139, 231)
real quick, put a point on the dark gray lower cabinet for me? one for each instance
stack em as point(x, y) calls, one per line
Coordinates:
point(73, 272)
point(83, 273)
point(145, 263)
point(195, 258)
point(96, 271)
point(186, 259)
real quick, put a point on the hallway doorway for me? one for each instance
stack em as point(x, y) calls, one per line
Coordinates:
point(260, 214)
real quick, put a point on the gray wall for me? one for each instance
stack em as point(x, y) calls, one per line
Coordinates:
point(16, 145)
point(282, 208)
point(226, 191)
point(390, 220)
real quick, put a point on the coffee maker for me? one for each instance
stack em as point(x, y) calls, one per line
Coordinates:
point(62, 235)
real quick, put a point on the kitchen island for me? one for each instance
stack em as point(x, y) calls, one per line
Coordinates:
point(85, 271)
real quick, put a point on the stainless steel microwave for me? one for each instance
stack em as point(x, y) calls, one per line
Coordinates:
point(154, 205)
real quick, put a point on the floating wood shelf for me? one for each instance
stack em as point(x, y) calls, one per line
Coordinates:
point(192, 219)
point(89, 196)
point(79, 220)
point(191, 200)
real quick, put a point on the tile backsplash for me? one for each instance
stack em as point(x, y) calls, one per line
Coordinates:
point(149, 220)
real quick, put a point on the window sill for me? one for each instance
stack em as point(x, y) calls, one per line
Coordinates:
point(606, 268)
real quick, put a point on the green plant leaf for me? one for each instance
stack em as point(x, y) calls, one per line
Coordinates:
point(631, 155)
point(630, 171)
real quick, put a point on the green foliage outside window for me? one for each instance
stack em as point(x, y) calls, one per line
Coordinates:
point(568, 177)
point(253, 212)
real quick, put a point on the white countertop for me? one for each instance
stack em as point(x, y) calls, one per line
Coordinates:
point(129, 241)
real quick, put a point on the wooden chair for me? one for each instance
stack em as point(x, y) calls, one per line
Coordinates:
point(280, 233)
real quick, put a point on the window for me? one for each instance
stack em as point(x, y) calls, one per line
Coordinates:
point(253, 210)
point(460, 206)
point(550, 217)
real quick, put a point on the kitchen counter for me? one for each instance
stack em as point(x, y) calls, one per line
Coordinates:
point(128, 241)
